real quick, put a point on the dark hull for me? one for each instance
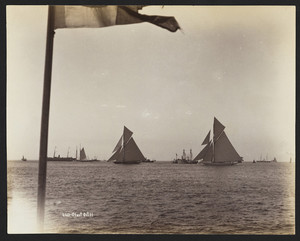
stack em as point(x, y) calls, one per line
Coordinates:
point(183, 161)
point(60, 159)
point(93, 160)
point(127, 162)
point(264, 161)
point(149, 161)
point(219, 163)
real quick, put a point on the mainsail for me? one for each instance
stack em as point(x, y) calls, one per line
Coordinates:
point(132, 152)
point(209, 154)
point(126, 150)
point(224, 150)
point(219, 150)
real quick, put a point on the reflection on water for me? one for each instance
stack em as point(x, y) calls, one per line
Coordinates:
point(21, 215)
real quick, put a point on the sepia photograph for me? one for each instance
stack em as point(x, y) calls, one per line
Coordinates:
point(151, 119)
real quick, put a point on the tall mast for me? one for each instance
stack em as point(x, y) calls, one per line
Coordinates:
point(213, 148)
point(45, 121)
point(213, 143)
point(123, 149)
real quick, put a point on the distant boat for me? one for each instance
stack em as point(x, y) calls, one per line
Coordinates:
point(24, 159)
point(83, 158)
point(265, 160)
point(149, 161)
point(59, 158)
point(126, 150)
point(219, 151)
point(185, 159)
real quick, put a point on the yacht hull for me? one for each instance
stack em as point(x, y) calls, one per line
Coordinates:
point(219, 163)
point(127, 162)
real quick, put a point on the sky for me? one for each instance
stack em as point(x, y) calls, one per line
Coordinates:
point(235, 63)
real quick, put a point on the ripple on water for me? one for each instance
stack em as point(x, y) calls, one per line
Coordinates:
point(161, 198)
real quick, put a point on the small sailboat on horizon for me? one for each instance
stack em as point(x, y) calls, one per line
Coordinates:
point(126, 150)
point(219, 151)
point(264, 160)
point(83, 157)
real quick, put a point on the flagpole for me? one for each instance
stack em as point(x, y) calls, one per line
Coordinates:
point(45, 121)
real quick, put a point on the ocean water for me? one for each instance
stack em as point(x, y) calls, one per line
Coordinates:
point(154, 198)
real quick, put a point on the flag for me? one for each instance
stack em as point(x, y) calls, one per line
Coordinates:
point(69, 16)
point(82, 17)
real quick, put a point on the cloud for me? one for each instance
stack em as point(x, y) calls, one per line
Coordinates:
point(120, 106)
point(146, 114)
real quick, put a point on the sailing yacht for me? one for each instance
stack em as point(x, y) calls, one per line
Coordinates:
point(82, 156)
point(126, 150)
point(219, 151)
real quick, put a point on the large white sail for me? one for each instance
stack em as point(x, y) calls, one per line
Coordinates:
point(132, 152)
point(224, 150)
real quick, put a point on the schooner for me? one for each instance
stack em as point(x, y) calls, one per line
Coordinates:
point(219, 151)
point(126, 150)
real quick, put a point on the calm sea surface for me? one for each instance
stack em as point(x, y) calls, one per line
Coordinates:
point(159, 197)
